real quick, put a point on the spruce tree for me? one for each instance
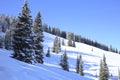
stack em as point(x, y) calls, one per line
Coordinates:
point(1, 40)
point(59, 43)
point(48, 53)
point(22, 37)
point(56, 45)
point(101, 71)
point(105, 67)
point(74, 44)
point(9, 35)
point(79, 66)
point(63, 43)
point(63, 62)
point(70, 42)
point(118, 74)
point(70, 38)
point(37, 29)
point(8, 39)
point(110, 48)
point(104, 72)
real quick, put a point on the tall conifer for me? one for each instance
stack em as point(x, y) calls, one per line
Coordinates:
point(23, 38)
point(37, 29)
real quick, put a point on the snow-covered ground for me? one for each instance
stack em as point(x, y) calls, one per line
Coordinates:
point(11, 69)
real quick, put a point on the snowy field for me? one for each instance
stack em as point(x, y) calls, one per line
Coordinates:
point(11, 69)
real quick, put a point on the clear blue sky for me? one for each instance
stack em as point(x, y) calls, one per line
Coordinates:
point(95, 19)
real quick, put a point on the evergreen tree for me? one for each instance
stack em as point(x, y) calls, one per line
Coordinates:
point(79, 66)
point(63, 43)
point(59, 43)
point(9, 35)
point(63, 62)
point(110, 48)
point(74, 44)
point(56, 45)
point(1, 40)
point(118, 74)
point(101, 71)
point(63, 34)
point(70, 37)
point(70, 42)
point(37, 29)
point(49, 29)
point(8, 39)
point(116, 50)
point(104, 72)
point(48, 53)
point(23, 37)
point(45, 27)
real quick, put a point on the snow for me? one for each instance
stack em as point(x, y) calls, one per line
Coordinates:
point(12, 69)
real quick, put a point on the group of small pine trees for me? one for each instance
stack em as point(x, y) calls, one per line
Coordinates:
point(27, 37)
point(64, 59)
point(79, 65)
point(104, 71)
point(65, 65)
point(57, 44)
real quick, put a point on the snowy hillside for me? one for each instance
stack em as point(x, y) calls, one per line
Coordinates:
point(11, 69)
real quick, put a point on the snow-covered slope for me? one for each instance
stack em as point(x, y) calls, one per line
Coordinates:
point(11, 69)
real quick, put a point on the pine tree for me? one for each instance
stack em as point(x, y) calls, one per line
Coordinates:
point(7, 39)
point(63, 43)
point(118, 74)
point(45, 27)
point(9, 35)
point(48, 53)
point(37, 29)
point(1, 40)
point(104, 72)
point(23, 37)
point(70, 42)
point(70, 38)
point(79, 66)
point(59, 43)
point(74, 44)
point(56, 45)
point(116, 50)
point(110, 48)
point(63, 62)
point(101, 71)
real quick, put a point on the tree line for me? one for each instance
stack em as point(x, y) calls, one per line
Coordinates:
point(7, 21)
point(77, 38)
